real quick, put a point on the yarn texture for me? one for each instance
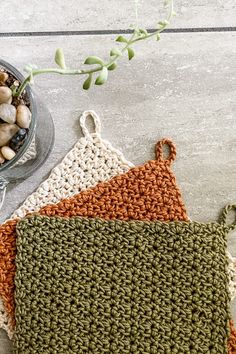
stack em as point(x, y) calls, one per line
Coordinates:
point(232, 276)
point(92, 160)
point(4, 320)
point(95, 286)
point(145, 192)
point(232, 342)
point(76, 173)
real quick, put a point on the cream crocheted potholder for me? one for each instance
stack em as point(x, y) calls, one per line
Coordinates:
point(3, 320)
point(232, 275)
point(92, 160)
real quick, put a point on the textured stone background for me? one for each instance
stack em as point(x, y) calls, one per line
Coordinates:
point(183, 87)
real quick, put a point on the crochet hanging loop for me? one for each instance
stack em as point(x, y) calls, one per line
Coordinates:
point(96, 122)
point(160, 153)
point(224, 216)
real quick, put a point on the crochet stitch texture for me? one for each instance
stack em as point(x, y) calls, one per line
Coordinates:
point(4, 320)
point(145, 192)
point(232, 342)
point(92, 160)
point(95, 286)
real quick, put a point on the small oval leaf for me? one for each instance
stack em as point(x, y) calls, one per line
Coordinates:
point(143, 31)
point(121, 39)
point(30, 67)
point(115, 52)
point(158, 36)
point(93, 60)
point(163, 23)
point(88, 82)
point(60, 59)
point(130, 53)
point(102, 78)
point(112, 66)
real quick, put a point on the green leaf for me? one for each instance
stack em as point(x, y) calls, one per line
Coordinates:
point(29, 67)
point(163, 23)
point(115, 51)
point(121, 39)
point(130, 53)
point(102, 78)
point(60, 59)
point(88, 82)
point(13, 89)
point(31, 79)
point(112, 66)
point(143, 31)
point(94, 60)
point(158, 36)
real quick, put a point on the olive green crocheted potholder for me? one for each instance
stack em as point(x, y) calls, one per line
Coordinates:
point(94, 286)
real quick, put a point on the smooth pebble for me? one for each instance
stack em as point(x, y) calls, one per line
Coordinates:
point(5, 94)
point(7, 131)
point(7, 152)
point(8, 113)
point(23, 116)
point(10, 100)
point(18, 139)
point(3, 76)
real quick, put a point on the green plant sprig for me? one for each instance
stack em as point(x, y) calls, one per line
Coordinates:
point(102, 67)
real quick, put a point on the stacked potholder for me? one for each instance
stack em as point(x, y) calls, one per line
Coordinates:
point(91, 161)
point(145, 193)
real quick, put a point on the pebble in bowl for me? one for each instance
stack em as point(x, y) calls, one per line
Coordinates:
point(15, 118)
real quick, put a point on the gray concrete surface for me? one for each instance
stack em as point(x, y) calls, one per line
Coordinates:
point(61, 15)
point(183, 87)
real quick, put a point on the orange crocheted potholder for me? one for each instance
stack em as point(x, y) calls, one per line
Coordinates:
point(147, 192)
point(232, 340)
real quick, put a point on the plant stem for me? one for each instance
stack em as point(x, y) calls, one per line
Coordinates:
point(135, 37)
